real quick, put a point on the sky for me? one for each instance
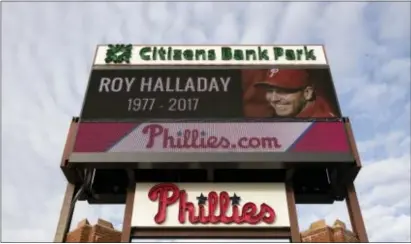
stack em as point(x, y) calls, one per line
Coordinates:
point(47, 51)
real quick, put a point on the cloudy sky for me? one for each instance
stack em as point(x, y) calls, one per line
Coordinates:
point(47, 50)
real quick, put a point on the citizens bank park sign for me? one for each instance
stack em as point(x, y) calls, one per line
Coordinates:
point(210, 205)
point(174, 82)
point(131, 142)
point(210, 55)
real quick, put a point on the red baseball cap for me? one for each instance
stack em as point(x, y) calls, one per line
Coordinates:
point(286, 78)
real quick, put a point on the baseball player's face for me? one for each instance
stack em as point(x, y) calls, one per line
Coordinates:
point(288, 103)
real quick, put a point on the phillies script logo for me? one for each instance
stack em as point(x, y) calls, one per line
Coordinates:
point(194, 138)
point(169, 194)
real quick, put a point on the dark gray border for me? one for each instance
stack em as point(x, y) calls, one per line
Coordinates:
point(212, 157)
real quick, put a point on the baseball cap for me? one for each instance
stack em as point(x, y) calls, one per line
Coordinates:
point(292, 79)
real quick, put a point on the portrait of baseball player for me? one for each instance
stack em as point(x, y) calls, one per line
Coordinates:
point(291, 93)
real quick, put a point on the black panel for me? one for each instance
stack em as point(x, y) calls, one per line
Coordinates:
point(118, 94)
point(170, 175)
point(109, 186)
point(312, 185)
point(165, 98)
point(249, 175)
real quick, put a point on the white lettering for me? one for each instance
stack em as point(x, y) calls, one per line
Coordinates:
point(201, 84)
point(129, 83)
point(158, 86)
point(225, 83)
point(116, 84)
point(104, 82)
point(190, 84)
point(145, 83)
point(213, 85)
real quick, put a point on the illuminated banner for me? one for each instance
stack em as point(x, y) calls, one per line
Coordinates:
point(115, 94)
point(212, 142)
point(122, 54)
point(210, 204)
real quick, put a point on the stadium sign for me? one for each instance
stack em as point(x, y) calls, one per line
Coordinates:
point(210, 55)
point(207, 204)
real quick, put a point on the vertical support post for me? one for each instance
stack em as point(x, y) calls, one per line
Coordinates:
point(354, 211)
point(65, 214)
point(292, 211)
point(353, 205)
point(128, 212)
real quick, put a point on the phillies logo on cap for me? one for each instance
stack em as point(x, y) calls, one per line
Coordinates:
point(285, 78)
point(272, 72)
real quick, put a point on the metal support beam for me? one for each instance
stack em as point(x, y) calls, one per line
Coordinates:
point(292, 211)
point(354, 212)
point(128, 212)
point(65, 214)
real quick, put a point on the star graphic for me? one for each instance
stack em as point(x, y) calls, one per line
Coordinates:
point(201, 199)
point(179, 133)
point(235, 200)
point(203, 133)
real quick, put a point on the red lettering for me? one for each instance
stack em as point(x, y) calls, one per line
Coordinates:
point(224, 205)
point(169, 194)
point(203, 218)
point(195, 143)
point(269, 213)
point(185, 207)
point(192, 139)
point(225, 143)
point(212, 207)
point(187, 137)
point(270, 142)
point(254, 142)
point(153, 131)
point(250, 213)
point(160, 192)
point(168, 140)
point(242, 142)
point(212, 142)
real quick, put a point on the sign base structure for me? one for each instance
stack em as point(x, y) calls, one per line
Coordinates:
point(210, 141)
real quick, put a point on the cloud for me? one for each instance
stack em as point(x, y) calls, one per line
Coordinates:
point(392, 22)
point(395, 143)
point(47, 49)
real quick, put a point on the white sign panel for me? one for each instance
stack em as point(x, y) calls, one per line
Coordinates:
point(210, 55)
point(210, 205)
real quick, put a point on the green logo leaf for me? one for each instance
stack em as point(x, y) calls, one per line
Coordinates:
point(118, 53)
